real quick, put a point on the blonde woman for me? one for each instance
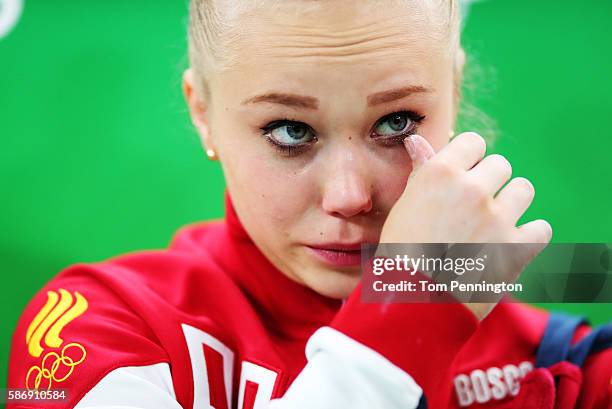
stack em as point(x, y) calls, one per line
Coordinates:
point(332, 121)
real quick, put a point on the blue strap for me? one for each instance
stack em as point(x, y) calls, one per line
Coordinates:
point(556, 344)
point(556, 341)
point(597, 340)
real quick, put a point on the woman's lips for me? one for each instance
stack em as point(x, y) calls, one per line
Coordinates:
point(338, 255)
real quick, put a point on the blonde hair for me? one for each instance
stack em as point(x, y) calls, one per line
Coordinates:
point(213, 28)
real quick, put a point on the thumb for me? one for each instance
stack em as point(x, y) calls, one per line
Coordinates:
point(419, 150)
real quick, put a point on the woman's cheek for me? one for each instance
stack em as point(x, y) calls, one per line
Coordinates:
point(391, 173)
point(276, 195)
point(391, 191)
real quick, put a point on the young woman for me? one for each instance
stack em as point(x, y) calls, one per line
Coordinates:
point(332, 121)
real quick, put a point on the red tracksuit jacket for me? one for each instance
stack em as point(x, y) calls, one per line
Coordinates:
point(211, 323)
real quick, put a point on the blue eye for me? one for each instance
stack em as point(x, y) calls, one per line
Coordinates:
point(289, 133)
point(397, 124)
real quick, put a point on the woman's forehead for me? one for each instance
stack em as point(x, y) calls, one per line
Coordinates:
point(327, 84)
point(337, 29)
point(282, 43)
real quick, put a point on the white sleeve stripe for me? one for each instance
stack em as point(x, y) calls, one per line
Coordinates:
point(133, 387)
point(337, 343)
point(342, 373)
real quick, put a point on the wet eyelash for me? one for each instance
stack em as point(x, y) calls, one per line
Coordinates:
point(286, 150)
point(276, 124)
point(294, 150)
point(398, 139)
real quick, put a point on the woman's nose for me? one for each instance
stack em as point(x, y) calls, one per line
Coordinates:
point(347, 190)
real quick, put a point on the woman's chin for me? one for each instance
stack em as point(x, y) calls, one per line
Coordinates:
point(333, 284)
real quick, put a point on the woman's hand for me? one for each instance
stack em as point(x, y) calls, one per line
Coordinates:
point(450, 197)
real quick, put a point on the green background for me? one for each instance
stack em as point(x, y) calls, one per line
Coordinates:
point(98, 156)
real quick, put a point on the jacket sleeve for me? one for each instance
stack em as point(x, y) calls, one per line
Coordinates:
point(104, 356)
point(148, 386)
point(72, 334)
point(372, 356)
point(341, 373)
point(382, 356)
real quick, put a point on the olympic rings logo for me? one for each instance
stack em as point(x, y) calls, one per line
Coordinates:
point(51, 365)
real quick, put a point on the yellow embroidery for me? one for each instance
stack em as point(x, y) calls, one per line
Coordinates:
point(53, 362)
point(52, 338)
point(60, 309)
point(52, 318)
point(51, 300)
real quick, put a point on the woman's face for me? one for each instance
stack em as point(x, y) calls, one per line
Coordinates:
point(308, 125)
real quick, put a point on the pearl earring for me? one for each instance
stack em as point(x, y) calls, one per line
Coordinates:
point(451, 133)
point(211, 154)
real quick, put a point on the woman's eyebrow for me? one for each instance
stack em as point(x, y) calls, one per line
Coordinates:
point(395, 94)
point(292, 100)
point(306, 102)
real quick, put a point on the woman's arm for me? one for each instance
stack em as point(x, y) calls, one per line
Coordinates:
point(382, 356)
point(370, 357)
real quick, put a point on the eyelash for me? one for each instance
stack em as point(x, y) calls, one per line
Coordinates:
point(398, 139)
point(288, 150)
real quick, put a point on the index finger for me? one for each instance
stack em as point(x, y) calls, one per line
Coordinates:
point(464, 151)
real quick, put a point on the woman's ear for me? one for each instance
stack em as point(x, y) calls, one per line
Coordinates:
point(459, 65)
point(198, 110)
point(460, 59)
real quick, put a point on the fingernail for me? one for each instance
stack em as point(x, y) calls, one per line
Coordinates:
point(410, 146)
